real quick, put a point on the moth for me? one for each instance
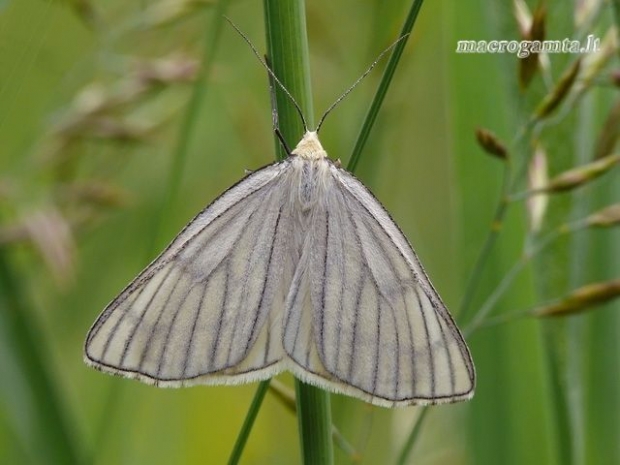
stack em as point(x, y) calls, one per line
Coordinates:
point(296, 267)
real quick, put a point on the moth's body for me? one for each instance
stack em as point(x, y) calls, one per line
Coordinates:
point(297, 267)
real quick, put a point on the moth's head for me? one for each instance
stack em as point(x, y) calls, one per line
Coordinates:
point(309, 147)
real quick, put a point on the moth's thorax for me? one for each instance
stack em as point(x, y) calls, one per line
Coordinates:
point(309, 147)
point(310, 180)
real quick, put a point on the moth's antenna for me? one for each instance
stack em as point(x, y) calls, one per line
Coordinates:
point(275, 122)
point(348, 91)
point(271, 73)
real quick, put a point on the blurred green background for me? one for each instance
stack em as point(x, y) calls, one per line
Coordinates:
point(92, 102)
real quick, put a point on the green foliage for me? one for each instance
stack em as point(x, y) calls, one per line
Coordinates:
point(119, 122)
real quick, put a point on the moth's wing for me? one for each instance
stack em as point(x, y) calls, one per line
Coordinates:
point(208, 309)
point(378, 331)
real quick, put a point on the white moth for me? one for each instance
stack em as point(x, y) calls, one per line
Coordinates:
point(297, 267)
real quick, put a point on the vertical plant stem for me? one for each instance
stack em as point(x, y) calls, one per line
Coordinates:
point(315, 429)
point(288, 53)
point(287, 44)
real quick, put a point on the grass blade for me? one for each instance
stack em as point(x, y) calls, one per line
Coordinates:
point(388, 74)
point(248, 423)
point(288, 52)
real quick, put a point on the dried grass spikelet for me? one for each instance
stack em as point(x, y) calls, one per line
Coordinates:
point(605, 218)
point(594, 63)
point(607, 138)
point(576, 177)
point(52, 236)
point(536, 204)
point(557, 95)
point(534, 31)
point(582, 299)
point(491, 144)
